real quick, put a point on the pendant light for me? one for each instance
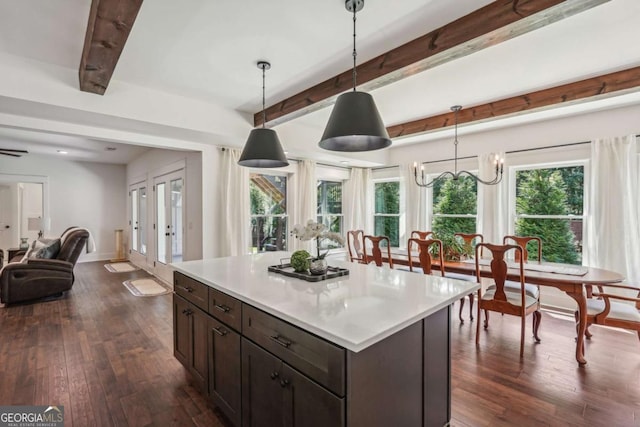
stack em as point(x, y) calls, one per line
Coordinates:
point(263, 148)
point(498, 164)
point(355, 123)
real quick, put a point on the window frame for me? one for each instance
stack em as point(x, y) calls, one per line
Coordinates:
point(400, 215)
point(287, 195)
point(431, 214)
point(322, 214)
point(513, 216)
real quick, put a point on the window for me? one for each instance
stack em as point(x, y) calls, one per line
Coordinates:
point(386, 218)
point(330, 208)
point(454, 207)
point(268, 195)
point(549, 204)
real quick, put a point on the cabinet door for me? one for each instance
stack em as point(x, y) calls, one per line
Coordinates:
point(181, 331)
point(224, 369)
point(199, 361)
point(262, 394)
point(308, 404)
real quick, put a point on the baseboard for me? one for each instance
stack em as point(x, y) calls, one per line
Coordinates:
point(96, 256)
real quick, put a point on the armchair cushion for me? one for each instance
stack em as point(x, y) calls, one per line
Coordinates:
point(619, 310)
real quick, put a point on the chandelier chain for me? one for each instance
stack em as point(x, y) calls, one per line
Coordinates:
point(264, 111)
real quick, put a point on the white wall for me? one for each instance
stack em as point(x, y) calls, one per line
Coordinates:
point(158, 162)
point(91, 195)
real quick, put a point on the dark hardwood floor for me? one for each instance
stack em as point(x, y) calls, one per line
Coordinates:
point(107, 356)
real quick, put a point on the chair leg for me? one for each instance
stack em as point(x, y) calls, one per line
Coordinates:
point(522, 325)
point(478, 325)
point(486, 319)
point(461, 306)
point(471, 300)
point(537, 317)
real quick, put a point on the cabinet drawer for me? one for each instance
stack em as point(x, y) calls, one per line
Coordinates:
point(225, 308)
point(191, 290)
point(313, 356)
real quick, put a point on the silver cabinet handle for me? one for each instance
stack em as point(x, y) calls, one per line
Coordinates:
point(220, 331)
point(281, 340)
point(222, 307)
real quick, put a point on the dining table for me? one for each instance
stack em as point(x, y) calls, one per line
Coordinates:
point(574, 280)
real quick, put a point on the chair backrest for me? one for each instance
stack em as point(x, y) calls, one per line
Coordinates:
point(425, 255)
point(469, 239)
point(355, 244)
point(73, 245)
point(376, 252)
point(499, 268)
point(424, 235)
point(523, 241)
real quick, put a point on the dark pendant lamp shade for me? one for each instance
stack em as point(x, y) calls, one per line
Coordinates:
point(355, 125)
point(263, 150)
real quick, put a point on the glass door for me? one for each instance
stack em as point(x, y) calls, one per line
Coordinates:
point(169, 228)
point(138, 223)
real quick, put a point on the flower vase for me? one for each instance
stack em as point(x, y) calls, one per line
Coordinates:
point(318, 266)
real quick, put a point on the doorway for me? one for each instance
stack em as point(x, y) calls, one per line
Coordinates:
point(22, 210)
point(138, 220)
point(169, 224)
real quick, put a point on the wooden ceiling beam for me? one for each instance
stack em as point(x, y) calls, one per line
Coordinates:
point(600, 86)
point(493, 24)
point(110, 22)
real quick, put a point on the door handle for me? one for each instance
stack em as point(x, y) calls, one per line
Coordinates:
point(220, 331)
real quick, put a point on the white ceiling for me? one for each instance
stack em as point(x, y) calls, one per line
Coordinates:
point(207, 50)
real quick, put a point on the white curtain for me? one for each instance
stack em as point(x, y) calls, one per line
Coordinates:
point(358, 209)
point(307, 201)
point(612, 238)
point(415, 201)
point(235, 222)
point(493, 209)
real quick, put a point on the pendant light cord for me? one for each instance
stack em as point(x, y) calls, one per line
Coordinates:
point(355, 54)
point(264, 111)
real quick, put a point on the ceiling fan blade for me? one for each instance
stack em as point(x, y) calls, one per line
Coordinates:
point(14, 151)
point(10, 154)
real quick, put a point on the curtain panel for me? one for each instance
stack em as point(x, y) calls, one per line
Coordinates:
point(358, 201)
point(235, 222)
point(612, 238)
point(493, 208)
point(307, 202)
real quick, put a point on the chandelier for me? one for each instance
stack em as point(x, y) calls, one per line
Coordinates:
point(455, 175)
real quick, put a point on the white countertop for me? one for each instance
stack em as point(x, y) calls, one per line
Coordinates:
point(353, 311)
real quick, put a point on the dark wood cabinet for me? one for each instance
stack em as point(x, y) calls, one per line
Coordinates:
point(224, 369)
point(275, 394)
point(190, 340)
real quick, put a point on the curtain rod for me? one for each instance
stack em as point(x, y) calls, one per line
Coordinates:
point(507, 152)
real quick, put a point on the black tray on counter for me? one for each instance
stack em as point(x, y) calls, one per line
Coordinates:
point(287, 270)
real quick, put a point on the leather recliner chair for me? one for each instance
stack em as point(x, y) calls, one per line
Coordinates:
point(39, 278)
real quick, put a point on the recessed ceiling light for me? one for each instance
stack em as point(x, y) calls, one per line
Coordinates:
point(63, 152)
point(344, 162)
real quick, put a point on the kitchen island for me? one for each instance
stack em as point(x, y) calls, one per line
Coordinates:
point(367, 349)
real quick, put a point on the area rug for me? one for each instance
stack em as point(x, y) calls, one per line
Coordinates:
point(147, 287)
point(120, 267)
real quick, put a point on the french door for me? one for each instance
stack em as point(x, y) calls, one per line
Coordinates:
point(138, 220)
point(169, 224)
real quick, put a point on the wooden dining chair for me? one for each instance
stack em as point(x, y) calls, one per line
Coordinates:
point(424, 235)
point(469, 240)
point(425, 256)
point(355, 244)
point(376, 251)
point(502, 300)
point(609, 309)
point(523, 241)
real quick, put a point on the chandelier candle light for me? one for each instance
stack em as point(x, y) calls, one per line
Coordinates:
point(455, 175)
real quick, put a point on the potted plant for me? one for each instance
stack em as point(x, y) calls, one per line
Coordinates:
point(454, 249)
point(319, 232)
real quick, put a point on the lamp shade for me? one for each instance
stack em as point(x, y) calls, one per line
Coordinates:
point(263, 150)
point(355, 125)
